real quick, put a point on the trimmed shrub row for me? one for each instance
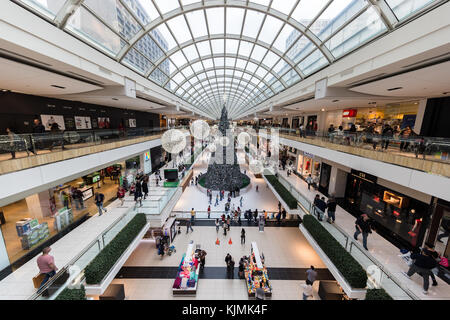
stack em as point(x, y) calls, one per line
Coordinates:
point(72, 294)
point(377, 294)
point(344, 262)
point(245, 182)
point(98, 268)
point(282, 191)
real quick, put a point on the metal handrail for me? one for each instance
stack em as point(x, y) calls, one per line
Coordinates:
point(357, 244)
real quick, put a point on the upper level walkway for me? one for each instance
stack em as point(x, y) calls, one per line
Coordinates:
point(381, 252)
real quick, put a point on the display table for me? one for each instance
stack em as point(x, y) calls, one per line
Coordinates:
point(186, 282)
point(256, 274)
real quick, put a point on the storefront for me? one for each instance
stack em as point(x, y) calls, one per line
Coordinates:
point(401, 219)
point(42, 218)
point(308, 164)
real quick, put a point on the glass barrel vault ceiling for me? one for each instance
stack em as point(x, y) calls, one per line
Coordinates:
point(233, 52)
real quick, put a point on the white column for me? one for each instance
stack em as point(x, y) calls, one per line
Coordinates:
point(338, 182)
point(39, 205)
point(4, 260)
point(420, 116)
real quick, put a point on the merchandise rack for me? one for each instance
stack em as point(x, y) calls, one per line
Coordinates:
point(187, 263)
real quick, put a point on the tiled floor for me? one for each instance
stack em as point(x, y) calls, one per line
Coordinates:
point(192, 197)
point(379, 248)
point(161, 289)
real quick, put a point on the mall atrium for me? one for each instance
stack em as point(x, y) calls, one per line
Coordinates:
point(224, 150)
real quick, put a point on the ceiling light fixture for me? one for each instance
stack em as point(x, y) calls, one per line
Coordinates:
point(56, 86)
point(396, 88)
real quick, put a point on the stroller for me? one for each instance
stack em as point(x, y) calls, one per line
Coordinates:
point(170, 250)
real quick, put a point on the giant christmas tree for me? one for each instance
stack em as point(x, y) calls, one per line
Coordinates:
point(223, 174)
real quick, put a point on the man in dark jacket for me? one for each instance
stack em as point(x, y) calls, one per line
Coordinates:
point(38, 130)
point(331, 206)
point(387, 135)
point(362, 226)
point(98, 199)
point(321, 206)
point(423, 263)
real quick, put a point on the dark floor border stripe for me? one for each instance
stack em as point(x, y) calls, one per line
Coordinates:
point(212, 223)
point(217, 273)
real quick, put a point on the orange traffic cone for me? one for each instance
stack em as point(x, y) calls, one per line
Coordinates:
point(230, 242)
point(218, 242)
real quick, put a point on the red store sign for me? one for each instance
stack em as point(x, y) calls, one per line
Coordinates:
point(350, 113)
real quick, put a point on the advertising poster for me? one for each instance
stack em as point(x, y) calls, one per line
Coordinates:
point(69, 122)
point(103, 123)
point(49, 120)
point(132, 123)
point(83, 122)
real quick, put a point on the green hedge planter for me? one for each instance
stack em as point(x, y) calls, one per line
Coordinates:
point(344, 262)
point(283, 192)
point(245, 182)
point(98, 268)
point(72, 294)
point(377, 294)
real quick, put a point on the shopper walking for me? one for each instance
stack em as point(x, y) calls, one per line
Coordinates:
point(217, 201)
point(311, 275)
point(138, 193)
point(362, 226)
point(309, 181)
point(255, 216)
point(422, 265)
point(387, 135)
point(98, 199)
point(202, 256)
point(217, 225)
point(283, 214)
point(243, 236)
point(209, 212)
point(189, 226)
point(228, 258)
point(240, 202)
point(331, 207)
point(46, 265)
point(321, 206)
point(121, 195)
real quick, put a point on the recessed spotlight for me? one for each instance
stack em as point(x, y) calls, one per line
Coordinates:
point(447, 92)
point(115, 99)
point(396, 88)
point(56, 86)
point(335, 101)
point(323, 110)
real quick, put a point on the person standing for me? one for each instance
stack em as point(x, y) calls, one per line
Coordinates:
point(240, 202)
point(331, 206)
point(38, 130)
point(217, 201)
point(283, 214)
point(46, 265)
point(217, 225)
point(121, 195)
point(202, 256)
point(362, 226)
point(13, 142)
point(145, 186)
point(279, 206)
point(309, 181)
point(387, 135)
point(311, 275)
point(209, 212)
point(98, 199)
point(138, 192)
point(192, 216)
point(321, 207)
point(255, 215)
point(189, 226)
point(243, 236)
point(228, 222)
point(228, 258)
point(307, 291)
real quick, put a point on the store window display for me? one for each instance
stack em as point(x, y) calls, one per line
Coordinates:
point(396, 216)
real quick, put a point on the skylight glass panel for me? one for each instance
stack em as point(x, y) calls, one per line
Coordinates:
point(258, 53)
point(261, 2)
point(235, 17)
point(314, 61)
point(270, 59)
point(215, 20)
point(163, 33)
point(405, 8)
point(360, 30)
point(232, 46)
point(284, 6)
point(137, 61)
point(245, 48)
point(219, 62)
point(188, 2)
point(191, 52)
point(241, 63)
point(94, 31)
point(307, 10)
point(149, 48)
point(197, 67)
point(218, 46)
point(208, 63)
point(251, 67)
point(49, 9)
point(180, 29)
point(143, 9)
point(178, 59)
point(252, 23)
point(270, 29)
point(179, 78)
point(337, 14)
point(166, 6)
point(204, 48)
point(281, 43)
point(261, 72)
point(197, 23)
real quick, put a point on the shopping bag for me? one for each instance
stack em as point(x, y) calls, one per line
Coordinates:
point(37, 280)
point(444, 262)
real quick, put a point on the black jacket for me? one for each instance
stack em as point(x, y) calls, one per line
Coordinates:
point(331, 206)
point(364, 225)
point(423, 261)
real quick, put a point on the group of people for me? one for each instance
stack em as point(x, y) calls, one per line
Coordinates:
point(320, 206)
point(386, 134)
